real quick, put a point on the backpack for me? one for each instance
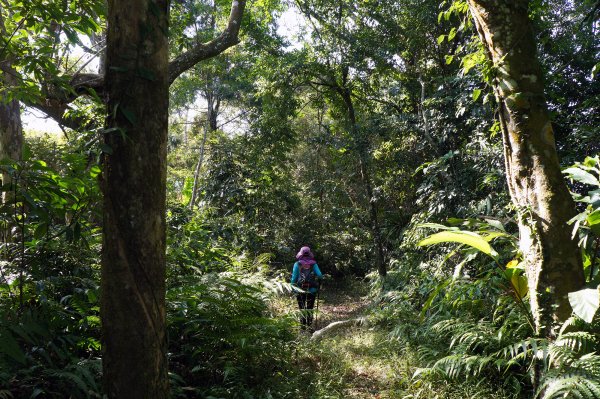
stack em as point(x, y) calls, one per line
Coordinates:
point(306, 277)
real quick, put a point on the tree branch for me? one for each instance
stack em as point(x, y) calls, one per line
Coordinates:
point(203, 51)
point(57, 99)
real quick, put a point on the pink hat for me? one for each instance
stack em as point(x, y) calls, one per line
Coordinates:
point(305, 253)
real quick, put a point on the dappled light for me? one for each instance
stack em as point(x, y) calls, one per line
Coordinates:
point(391, 199)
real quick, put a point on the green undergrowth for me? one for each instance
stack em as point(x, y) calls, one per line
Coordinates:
point(374, 361)
point(361, 362)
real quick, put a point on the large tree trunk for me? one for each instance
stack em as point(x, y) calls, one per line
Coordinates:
point(537, 188)
point(133, 257)
point(136, 84)
point(11, 129)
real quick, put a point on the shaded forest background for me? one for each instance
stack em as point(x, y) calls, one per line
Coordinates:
point(362, 134)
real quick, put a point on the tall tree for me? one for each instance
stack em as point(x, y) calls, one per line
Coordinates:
point(133, 257)
point(138, 75)
point(11, 129)
point(536, 186)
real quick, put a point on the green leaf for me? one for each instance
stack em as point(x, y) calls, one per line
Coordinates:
point(10, 347)
point(582, 176)
point(592, 162)
point(146, 73)
point(585, 303)
point(595, 198)
point(496, 224)
point(130, 116)
point(494, 234)
point(452, 34)
point(40, 231)
point(514, 264)
point(95, 171)
point(456, 221)
point(593, 220)
point(436, 226)
point(462, 237)
point(519, 283)
point(26, 152)
point(476, 94)
point(29, 200)
point(449, 59)
point(440, 39)
point(432, 297)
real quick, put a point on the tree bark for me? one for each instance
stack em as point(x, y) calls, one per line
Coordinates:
point(213, 103)
point(536, 185)
point(11, 128)
point(195, 195)
point(134, 237)
point(136, 85)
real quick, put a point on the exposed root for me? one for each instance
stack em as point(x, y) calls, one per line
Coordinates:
point(336, 325)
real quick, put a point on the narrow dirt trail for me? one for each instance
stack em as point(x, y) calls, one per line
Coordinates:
point(367, 361)
point(341, 300)
point(369, 370)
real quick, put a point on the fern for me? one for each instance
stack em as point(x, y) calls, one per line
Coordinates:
point(570, 368)
point(557, 385)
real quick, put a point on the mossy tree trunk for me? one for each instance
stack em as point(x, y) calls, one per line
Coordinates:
point(536, 185)
point(136, 86)
point(133, 257)
point(11, 128)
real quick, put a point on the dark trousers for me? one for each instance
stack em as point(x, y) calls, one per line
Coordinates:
point(306, 303)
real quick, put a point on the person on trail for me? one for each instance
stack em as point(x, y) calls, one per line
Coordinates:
point(306, 276)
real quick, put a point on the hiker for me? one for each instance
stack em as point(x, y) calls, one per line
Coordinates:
point(306, 275)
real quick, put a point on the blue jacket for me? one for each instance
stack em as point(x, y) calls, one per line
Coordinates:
point(296, 274)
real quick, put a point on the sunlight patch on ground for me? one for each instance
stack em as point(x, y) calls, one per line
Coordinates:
point(373, 369)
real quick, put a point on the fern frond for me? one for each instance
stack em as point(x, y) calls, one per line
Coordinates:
point(69, 376)
point(569, 386)
point(451, 326)
point(588, 363)
point(455, 366)
point(560, 355)
point(575, 323)
point(527, 348)
point(577, 341)
point(426, 353)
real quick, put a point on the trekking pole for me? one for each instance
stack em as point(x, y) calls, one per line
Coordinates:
point(305, 312)
point(317, 311)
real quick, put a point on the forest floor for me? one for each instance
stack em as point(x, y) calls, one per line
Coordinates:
point(341, 301)
point(363, 361)
point(365, 366)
